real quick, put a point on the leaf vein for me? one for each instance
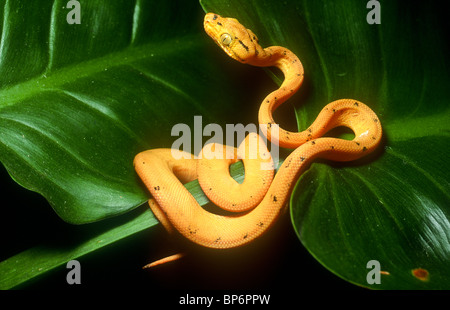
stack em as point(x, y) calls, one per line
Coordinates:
point(104, 111)
point(59, 144)
point(427, 175)
point(51, 37)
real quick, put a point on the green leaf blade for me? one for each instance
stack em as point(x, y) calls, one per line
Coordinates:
point(96, 94)
point(93, 105)
point(394, 206)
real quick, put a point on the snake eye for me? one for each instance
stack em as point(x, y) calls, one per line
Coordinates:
point(226, 39)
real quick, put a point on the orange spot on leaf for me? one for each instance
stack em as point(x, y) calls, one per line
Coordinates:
point(421, 274)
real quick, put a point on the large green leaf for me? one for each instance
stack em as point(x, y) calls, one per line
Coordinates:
point(77, 102)
point(395, 206)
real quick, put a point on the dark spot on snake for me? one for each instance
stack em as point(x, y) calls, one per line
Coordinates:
point(267, 101)
point(302, 158)
point(373, 137)
point(375, 120)
point(356, 103)
point(313, 142)
point(217, 240)
point(334, 110)
point(243, 45)
point(357, 143)
point(210, 188)
point(284, 53)
point(274, 198)
point(260, 224)
point(332, 147)
point(218, 23)
point(156, 188)
point(364, 149)
point(246, 235)
point(215, 17)
point(309, 129)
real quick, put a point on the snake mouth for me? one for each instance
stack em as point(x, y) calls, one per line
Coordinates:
point(210, 27)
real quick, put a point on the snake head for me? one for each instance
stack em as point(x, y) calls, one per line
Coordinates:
point(237, 41)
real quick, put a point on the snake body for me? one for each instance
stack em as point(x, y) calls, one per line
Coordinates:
point(163, 175)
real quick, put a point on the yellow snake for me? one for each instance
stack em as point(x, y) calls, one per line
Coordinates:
point(262, 196)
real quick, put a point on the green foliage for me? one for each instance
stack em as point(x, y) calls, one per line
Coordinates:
point(393, 207)
point(77, 102)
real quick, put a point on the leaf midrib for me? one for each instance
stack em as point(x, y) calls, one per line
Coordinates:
point(54, 80)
